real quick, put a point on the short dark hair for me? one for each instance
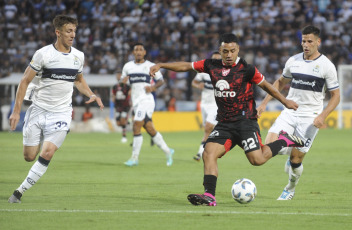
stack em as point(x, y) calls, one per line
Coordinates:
point(215, 52)
point(228, 38)
point(311, 30)
point(137, 44)
point(61, 20)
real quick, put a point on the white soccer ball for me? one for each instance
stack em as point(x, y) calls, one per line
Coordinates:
point(243, 191)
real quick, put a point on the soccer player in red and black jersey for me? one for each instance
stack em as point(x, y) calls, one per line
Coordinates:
point(121, 98)
point(233, 81)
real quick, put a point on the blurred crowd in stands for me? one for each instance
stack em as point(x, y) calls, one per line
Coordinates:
point(174, 30)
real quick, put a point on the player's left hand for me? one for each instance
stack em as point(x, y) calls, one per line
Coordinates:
point(260, 109)
point(319, 122)
point(97, 99)
point(291, 105)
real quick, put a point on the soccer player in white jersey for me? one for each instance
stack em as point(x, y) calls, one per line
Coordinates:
point(54, 69)
point(311, 74)
point(208, 105)
point(136, 73)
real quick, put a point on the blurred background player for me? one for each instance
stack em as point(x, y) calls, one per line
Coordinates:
point(310, 74)
point(121, 97)
point(56, 68)
point(208, 105)
point(136, 73)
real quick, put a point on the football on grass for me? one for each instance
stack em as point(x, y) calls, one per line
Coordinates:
point(243, 191)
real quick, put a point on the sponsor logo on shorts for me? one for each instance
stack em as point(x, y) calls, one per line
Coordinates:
point(213, 134)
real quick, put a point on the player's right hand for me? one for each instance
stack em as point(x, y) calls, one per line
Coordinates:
point(291, 104)
point(153, 70)
point(14, 119)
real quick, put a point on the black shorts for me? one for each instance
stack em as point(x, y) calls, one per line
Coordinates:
point(244, 133)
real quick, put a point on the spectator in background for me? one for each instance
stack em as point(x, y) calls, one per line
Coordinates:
point(87, 115)
point(116, 22)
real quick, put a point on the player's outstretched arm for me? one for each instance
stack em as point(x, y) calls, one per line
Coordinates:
point(83, 87)
point(174, 66)
point(270, 89)
point(28, 76)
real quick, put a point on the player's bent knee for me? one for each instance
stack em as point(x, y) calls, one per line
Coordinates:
point(29, 156)
point(30, 152)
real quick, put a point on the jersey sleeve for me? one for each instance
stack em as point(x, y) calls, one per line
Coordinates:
point(124, 72)
point(158, 76)
point(80, 70)
point(199, 66)
point(257, 77)
point(37, 61)
point(331, 78)
point(198, 77)
point(286, 73)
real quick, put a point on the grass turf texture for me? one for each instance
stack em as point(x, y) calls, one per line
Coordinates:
point(88, 187)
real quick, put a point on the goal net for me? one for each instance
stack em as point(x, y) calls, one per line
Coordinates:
point(344, 109)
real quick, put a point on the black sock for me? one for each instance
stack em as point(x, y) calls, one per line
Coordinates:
point(276, 146)
point(124, 130)
point(43, 161)
point(209, 184)
point(295, 165)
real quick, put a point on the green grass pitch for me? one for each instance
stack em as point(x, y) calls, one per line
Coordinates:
point(88, 187)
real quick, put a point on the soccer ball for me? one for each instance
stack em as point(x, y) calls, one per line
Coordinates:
point(243, 191)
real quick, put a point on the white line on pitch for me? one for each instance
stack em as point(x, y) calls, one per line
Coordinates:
point(175, 212)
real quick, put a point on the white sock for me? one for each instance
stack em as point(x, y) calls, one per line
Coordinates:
point(33, 176)
point(137, 145)
point(159, 141)
point(285, 151)
point(201, 149)
point(293, 177)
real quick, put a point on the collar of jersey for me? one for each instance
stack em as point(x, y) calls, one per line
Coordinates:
point(62, 52)
point(311, 60)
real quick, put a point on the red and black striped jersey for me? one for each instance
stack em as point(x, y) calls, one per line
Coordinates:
point(233, 87)
point(121, 95)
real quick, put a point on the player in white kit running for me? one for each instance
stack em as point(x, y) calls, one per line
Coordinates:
point(311, 74)
point(53, 71)
point(208, 105)
point(136, 73)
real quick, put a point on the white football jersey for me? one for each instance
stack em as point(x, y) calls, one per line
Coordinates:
point(56, 73)
point(310, 79)
point(139, 78)
point(208, 97)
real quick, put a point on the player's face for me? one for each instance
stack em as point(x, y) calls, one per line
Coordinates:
point(310, 44)
point(139, 53)
point(66, 35)
point(229, 52)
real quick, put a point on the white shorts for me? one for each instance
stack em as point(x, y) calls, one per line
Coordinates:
point(209, 114)
point(122, 114)
point(143, 109)
point(42, 125)
point(300, 126)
